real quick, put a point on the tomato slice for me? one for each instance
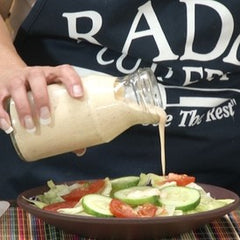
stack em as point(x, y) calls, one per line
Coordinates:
point(180, 179)
point(121, 209)
point(86, 188)
point(96, 186)
point(55, 206)
point(147, 210)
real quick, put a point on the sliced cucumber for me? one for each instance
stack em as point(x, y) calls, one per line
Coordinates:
point(138, 195)
point(97, 205)
point(182, 198)
point(124, 182)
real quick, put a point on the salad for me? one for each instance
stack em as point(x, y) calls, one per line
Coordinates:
point(146, 195)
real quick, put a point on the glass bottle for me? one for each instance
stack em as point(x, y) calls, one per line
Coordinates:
point(110, 106)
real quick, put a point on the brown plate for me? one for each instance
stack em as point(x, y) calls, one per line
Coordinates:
point(131, 228)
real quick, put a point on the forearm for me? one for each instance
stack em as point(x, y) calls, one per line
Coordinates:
point(5, 6)
point(8, 53)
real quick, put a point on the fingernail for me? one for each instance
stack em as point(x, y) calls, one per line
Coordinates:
point(45, 117)
point(6, 127)
point(29, 124)
point(77, 91)
point(80, 154)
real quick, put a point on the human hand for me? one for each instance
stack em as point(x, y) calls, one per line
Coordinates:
point(15, 82)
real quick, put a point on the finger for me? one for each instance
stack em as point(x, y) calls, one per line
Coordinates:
point(5, 123)
point(20, 98)
point(69, 77)
point(38, 86)
point(80, 152)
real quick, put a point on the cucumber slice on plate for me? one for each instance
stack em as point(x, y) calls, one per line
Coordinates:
point(182, 198)
point(138, 195)
point(124, 182)
point(97, 205)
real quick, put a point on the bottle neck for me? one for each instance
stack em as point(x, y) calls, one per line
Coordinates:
point(141, 88)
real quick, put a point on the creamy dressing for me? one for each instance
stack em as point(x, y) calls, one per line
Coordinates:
point(161, 126)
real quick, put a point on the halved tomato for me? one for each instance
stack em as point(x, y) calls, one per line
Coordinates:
point(180, 179)
point(121, 209)
point(55, 206)
point(147, 210)
point(86, 188)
